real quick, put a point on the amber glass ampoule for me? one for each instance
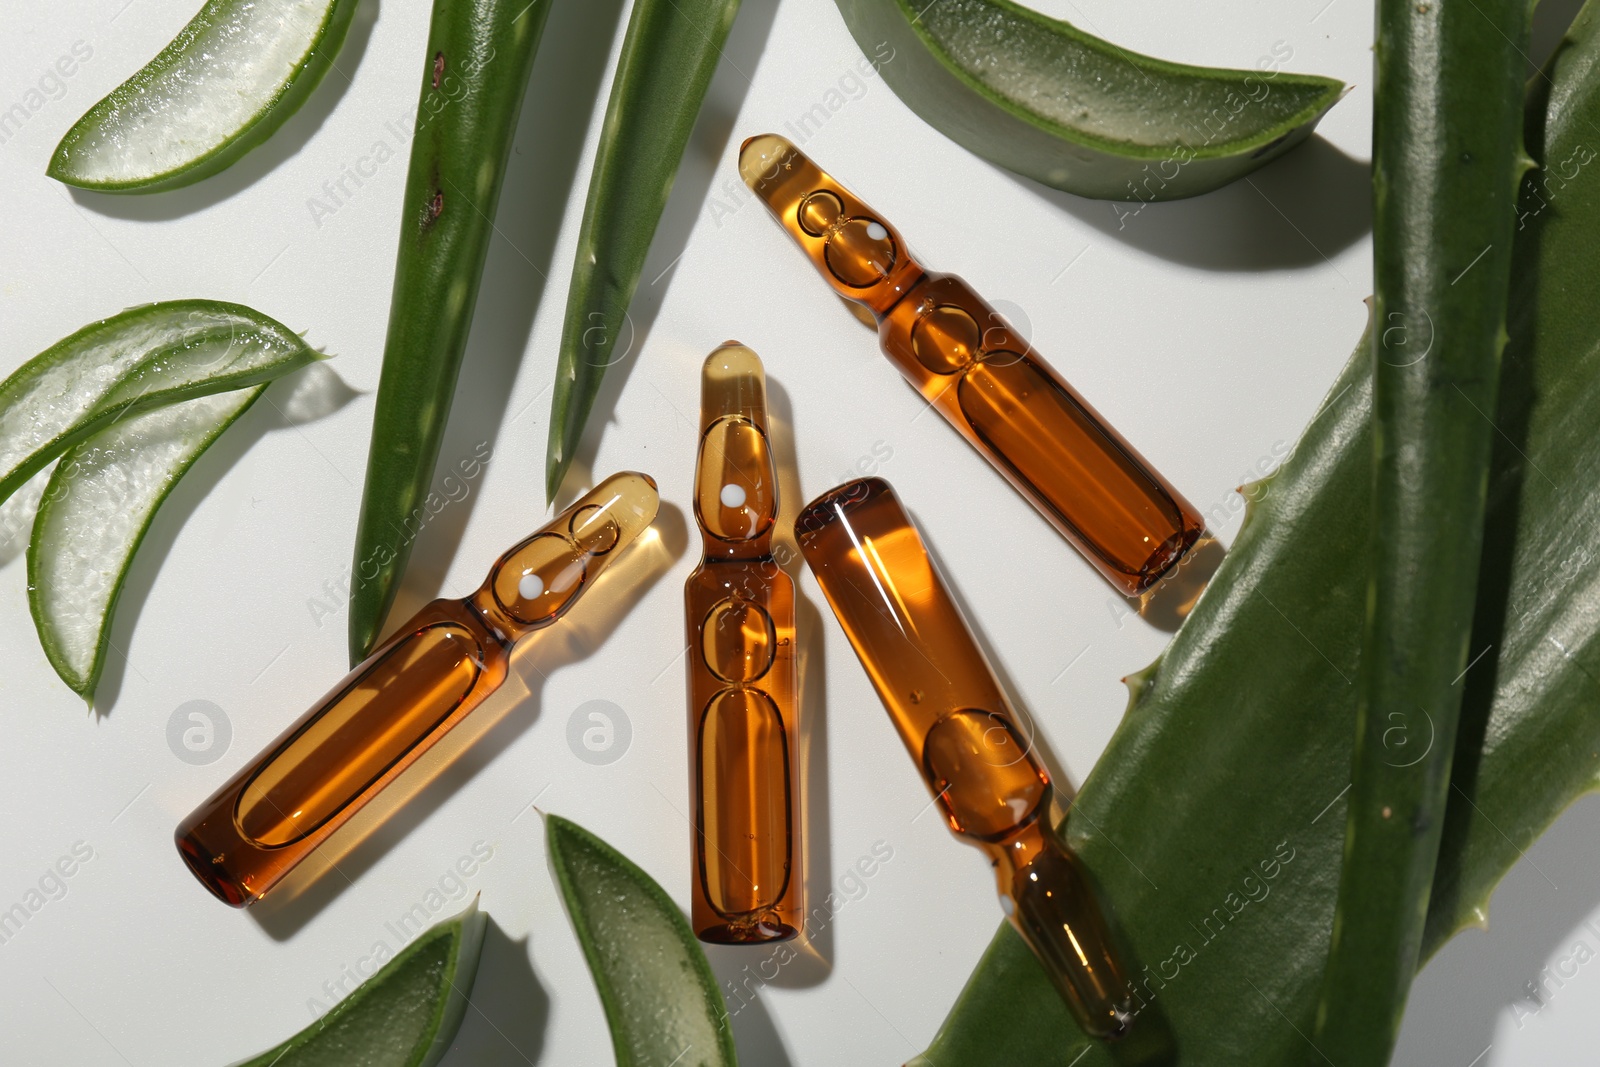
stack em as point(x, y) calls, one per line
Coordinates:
point(399, 701)
point(739, 613)
point(964, 736)
point(983, 376)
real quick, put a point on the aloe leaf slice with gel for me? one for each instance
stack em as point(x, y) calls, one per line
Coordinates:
point(660, 997)
point(1044, 99)
point(225, 83)
point(94, 513)
point(406, 1015)
point(143, 358)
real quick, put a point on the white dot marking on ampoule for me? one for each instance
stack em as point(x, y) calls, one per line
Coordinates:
point(531, 587)
point(876, 231)
point(733, 496)
point(1008, 906)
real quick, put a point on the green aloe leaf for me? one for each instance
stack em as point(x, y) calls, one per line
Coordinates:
point(668, 56)
point(1214, 820)
point(225, 83)
point(474, 75)
point(1447, 160)
point(406, 1015)
point(140, 359)
point(1046, 100)
point(94, 513)
point(660, 996)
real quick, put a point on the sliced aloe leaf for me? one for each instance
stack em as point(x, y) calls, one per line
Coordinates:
point(668, 57)
point(660, 996)
point(1044, 99)
point(144, 357)
point(95, 511)
point(224, 84)
point(406, 1015)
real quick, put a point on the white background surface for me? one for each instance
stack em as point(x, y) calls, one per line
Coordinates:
point(1206, 330)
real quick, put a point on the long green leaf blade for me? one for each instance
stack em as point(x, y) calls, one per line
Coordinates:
point(476, 72)
point(660, 997)
point(668, 56)
point(1447, 160)
point(1235, 752)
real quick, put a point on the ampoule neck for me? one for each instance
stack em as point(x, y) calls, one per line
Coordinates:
point(747, 552)
point(884, 303)
point(480, 608)
point(757, 552)
point(894, 296)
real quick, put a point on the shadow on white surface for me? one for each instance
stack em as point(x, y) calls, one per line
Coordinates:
point(1170, 601)
point(1550, 21)
point(285, 141)
point(505, 1023)
point(1482, 977)
point(1298, 211)
point(309, 394)
point(755, 1034)
point(814, 959)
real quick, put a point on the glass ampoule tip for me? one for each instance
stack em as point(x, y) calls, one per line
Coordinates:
point(538, 581)
point(736, 491)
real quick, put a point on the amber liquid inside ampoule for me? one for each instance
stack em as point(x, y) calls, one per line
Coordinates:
point(401, 700)
point(963, 735)
point(984, 377)
point(739, 613)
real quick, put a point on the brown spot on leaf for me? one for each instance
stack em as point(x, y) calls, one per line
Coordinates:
point(438, 68)
point(436, 208)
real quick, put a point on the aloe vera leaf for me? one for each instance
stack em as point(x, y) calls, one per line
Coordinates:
point(143, 358)
point(406, 1015)
point(94, 513)
point(668, 56)
point(221, 87)
point(1044, 99)
point(474, 77)
point(1447, 161)
point(1237, 744)
point(660, 997)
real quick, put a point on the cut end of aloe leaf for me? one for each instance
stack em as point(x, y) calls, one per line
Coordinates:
point(406, 1015)
point(660, 997)
point(230, 77)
